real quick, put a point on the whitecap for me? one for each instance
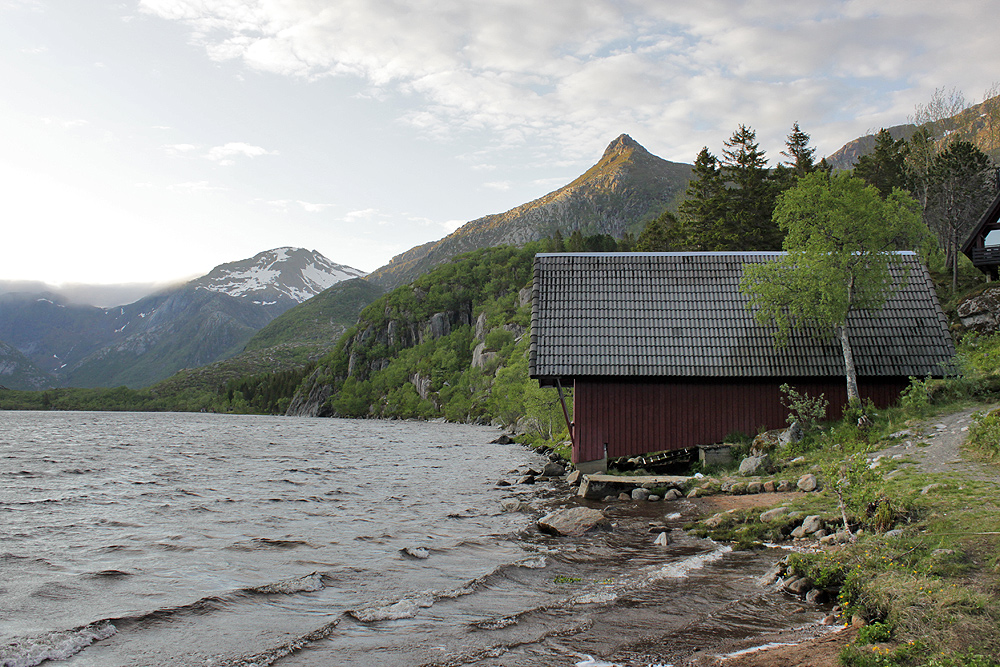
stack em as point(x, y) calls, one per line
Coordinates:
point(61, 645)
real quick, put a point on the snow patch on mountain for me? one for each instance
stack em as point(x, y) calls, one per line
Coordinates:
point(279, 274)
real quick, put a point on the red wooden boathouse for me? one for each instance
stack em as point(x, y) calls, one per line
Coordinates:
point(664, 354)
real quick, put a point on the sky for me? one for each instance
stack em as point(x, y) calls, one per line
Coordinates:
point(151, 140)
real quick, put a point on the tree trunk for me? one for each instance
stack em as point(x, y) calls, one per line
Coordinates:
point(853, 397)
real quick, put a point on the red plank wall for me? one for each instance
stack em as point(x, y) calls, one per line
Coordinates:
point(639, 417)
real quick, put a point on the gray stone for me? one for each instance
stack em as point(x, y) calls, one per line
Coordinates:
point(812, 523)
point(653, 498)
point(673, 494)
point(738, 489)
point(695, 493)
point(799, 586)
point(894, 533)
point(640, 494)
point(790, 435)
point(624, 496)
point(799, 533)
point(772, 575)
point(755, 465)
point(772, 514)
point(784, 486)
point(662, 540)
point(816, 596)
point(511, 505)
point(572, 521)
point(807, 483)
point(770, 487)
point(930, 487)
point(526, 479)
point(553, 469)
point(755, 487)
point(573, 478)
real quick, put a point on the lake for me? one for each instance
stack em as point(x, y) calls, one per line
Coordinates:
point(220, 540)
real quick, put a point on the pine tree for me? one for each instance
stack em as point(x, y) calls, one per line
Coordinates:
point(885, 166)
point(704, 201)
point(800, 154)
point(752, 193)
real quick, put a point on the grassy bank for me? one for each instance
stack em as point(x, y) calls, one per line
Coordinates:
point(920, 560)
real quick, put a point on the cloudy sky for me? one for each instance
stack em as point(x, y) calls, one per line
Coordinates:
point(150, 140)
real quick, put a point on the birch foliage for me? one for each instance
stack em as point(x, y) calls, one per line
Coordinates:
point(841, 238)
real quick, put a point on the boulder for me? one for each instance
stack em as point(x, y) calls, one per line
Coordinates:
point(772, 514)
point(624, 496)
point(812, 523)
point(738, 489)
point(755, 487)
point(790, 435)
point(640, 494)
point(755, 465)
point(765, 442)
point(653, 498)
point(572, 521)
point(816, 596)
point(553, 469)
point(770, 487)
point(808, 483)
point(573, 478)
point(673, 494)
point(981, 313)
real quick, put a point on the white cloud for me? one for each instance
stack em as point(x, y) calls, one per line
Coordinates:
point(179, 149)
point(224, 154)
point(576, 74)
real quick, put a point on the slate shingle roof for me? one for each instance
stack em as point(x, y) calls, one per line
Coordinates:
point(682, 315)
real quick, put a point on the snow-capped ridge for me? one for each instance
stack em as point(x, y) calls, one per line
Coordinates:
point(277, 275)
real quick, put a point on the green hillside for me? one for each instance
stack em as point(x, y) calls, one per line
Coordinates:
point(321, 320)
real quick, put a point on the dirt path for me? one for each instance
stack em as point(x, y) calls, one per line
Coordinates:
point(935, 446)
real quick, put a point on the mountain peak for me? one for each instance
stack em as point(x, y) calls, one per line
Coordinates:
point(276, 275)
point(622, 144)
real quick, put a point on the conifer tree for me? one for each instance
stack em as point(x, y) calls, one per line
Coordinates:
point(747, 224)
point(959, 188)
point(800, 154)
point(704, 201)
point(885, 166)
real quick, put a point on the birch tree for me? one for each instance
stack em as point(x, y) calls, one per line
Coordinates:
point(841, 238)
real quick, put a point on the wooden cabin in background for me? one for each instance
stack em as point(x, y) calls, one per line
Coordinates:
point(983, 244)
point(663, 353)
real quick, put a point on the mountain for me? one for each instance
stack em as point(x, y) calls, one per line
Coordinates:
point(847, 155)
point(283, 277)
point(17, 371)
point(625, 189)
point(979, 124)
point(206, 320)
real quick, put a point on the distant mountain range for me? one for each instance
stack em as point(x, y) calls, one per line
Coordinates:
point(205, 320)
point(226, 321)
point(628, 187)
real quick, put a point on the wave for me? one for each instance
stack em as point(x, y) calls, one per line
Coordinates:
point(410, 605)
point(59, 645)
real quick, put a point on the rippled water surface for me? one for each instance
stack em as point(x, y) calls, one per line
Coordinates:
point(186, 539)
